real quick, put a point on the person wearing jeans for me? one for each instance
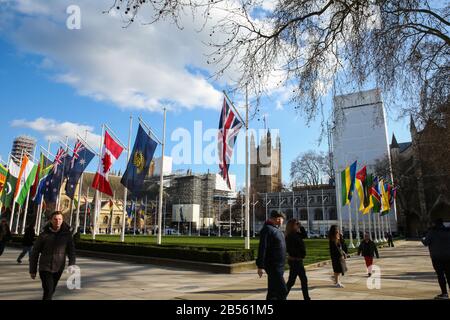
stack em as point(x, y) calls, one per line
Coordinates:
point(52, 247)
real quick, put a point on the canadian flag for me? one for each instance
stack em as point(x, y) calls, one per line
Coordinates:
point(111, 152)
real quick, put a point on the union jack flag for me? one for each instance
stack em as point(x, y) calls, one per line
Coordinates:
point(229, 126)
point(79, 146)
point(59, 158)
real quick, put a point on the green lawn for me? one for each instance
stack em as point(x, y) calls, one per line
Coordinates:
point(317, 249)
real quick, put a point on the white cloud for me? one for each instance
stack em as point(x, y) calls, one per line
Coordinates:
point(141, 67)
point(55, 131)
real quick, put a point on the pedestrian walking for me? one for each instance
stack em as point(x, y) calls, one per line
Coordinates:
point(272, 256)
point(296, 253)
point(438, 242)
point(51, 248)
point(27, 242)
point(5, 235)
point(368, 250)
point(390, 240)
point(338, 255)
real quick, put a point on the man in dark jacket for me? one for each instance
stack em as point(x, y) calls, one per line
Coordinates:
point(5, 235)
point(272, 256)
point(50, 249)
point(438, 242)
point(27, 242)
point(368, 250)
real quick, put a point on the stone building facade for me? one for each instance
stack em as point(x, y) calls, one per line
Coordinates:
point(315, 207)
point(265, 165)
point(421, 171)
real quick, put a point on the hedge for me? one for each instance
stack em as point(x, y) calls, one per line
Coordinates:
point(200, 254)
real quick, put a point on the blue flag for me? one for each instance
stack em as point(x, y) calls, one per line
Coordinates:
point(140, 160)
point(55, 178)
point(80, 159)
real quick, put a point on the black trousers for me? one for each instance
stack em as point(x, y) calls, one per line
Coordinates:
point(276, 286)
point(442, 268)
point(49, 283)
point(297, 269)
point(391, 243)
point(2, 247)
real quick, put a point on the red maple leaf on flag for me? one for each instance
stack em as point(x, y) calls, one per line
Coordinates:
point(107, 163)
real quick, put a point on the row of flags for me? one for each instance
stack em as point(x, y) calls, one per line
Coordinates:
point(374, 193)
point(42, 181)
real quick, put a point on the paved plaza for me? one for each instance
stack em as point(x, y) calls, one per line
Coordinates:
point(406, 273)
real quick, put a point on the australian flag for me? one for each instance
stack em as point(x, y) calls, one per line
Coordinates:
point(139, 163)
point(56, 176)
point(80, 159)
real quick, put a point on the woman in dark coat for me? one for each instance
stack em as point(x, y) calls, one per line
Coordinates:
point(338, 255)
point(297, 252)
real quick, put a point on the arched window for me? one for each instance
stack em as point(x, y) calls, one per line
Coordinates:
point(105, 220)
point(303, 214)
point(117, 220)
point(318, 214)
point(332, 215)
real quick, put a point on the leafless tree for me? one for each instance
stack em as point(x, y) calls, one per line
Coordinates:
point(305, 46)
point(309, 168)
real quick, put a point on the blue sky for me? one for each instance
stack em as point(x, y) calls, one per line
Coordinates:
point(44, 77)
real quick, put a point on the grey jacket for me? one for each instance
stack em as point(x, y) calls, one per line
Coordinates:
point(438, 242)
point(51, 249)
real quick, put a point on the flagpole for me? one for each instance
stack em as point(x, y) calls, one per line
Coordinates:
point(380, 222)
point(350, 227)
point(97, 193)
point(14, 196)
point(125, 190)
point(339, 199)
point(247, 184)
point(39, 215)
point(230, 221)
point(161, 181)
point(145, 215)
point(58, 199)
point(71, 211)
point(358, 239)
point(28, 199)
point(77, 216)
point(307, 213)
point(112, 214)
point(86, 210)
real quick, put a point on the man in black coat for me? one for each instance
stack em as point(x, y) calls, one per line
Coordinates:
point(272, 256)
point(51, 249)
point(27, 242)
point(438, 242)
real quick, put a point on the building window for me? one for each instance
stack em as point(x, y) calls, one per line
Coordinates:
point(303, 214)
point(318, 214)
point(117, 220)
point(105, 220)
point(332, 215)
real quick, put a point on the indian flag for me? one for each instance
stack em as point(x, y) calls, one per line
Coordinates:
point(348, 183)
point(25, 180)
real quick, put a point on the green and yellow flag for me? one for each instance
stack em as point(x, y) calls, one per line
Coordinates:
point(348, 183)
